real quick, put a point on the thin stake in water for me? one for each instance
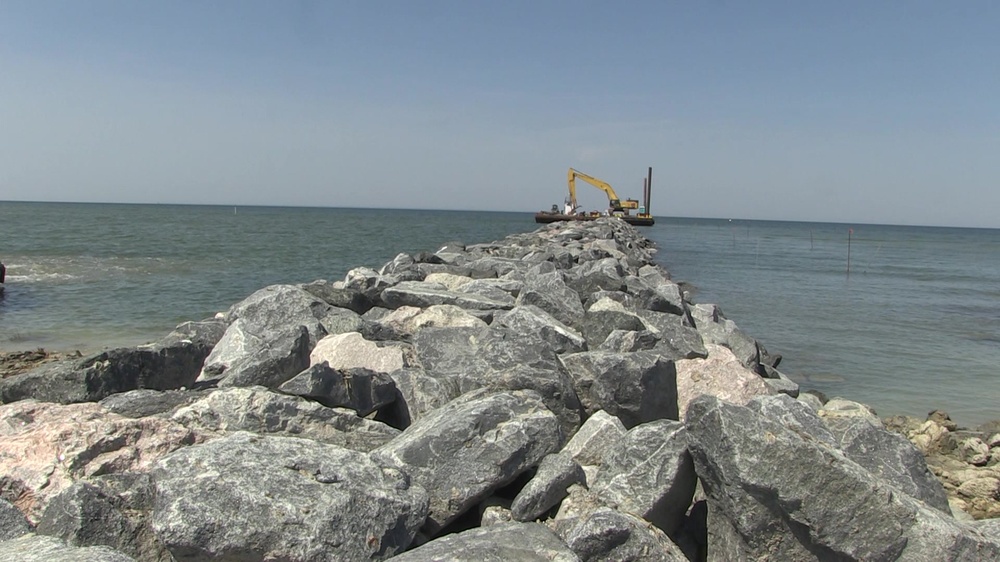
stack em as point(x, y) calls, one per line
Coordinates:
point(850, 231)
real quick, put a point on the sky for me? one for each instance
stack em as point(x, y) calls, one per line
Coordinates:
point(849, 111)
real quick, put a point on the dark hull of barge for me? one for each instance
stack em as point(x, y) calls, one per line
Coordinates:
point(545, 218)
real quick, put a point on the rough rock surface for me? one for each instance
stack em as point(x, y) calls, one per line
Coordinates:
point(350, 350)
point(555, 474)
point(599, 433)
point(246, 497)
point(359, 389)
point(471, 446)
point(521, 542)
point(649, 473)
point(635, 387)
point(773, 493)
point(721, 375)
point(12, 522)
point(38, 548)
point(605, 534)
point(259, 410)
point(44, 448)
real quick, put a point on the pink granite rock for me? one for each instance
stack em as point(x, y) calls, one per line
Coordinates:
point(720, 375)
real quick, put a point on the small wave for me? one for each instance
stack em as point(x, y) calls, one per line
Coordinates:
point(39, 277)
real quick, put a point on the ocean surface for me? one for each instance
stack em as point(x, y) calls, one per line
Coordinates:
point(914, 326)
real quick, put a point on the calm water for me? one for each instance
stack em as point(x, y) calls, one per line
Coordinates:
point(915, 326)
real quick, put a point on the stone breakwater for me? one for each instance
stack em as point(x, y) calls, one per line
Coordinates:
point(550, 396)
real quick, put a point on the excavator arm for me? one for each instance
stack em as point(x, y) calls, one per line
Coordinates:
point(616, 203)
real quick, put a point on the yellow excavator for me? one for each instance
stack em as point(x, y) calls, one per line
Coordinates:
point(618, 207)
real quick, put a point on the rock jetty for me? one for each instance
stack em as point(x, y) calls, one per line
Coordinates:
point(551, 396)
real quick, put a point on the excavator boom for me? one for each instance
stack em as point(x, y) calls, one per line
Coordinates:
point(616, 203)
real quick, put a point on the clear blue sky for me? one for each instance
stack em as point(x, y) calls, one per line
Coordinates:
point(862, 111)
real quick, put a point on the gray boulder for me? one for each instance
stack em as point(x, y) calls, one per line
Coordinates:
point(555, 474)
point(677, 339)
point(529, 319)
point(505, 542)
point(500, 359)
point(625, 341)
point(112, 510)
point(599, 275)
point(340, 297)
point(545, 288)
point(890, 456)
point(361, 390)
point(657, 294)
point(599, 433)
point(246, 357)
point(421, 294)
point(601, 320)
point(144, 403)
point(13, 523)
point(259, 410)
point(463, 451)
point(246, 497)
point(607, 535)
point(635, 387)
point(417, 394)
point(649, 473)
point(170, 363)
point(775, 493)
point(38, 548)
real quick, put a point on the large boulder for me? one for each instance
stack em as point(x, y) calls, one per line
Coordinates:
point(171, 363)
point(45, 448)
point(776, 493)
point(409, 319)
point(598, 275)
point(13, 524)
point(38, 548)
point(721, 375)
point(249, 357)
point(605, 534)
point(112, 510)
point(465, 450)
point(636, 387)
point(422, 294)
point(545, 288)
point(891, 456)
point(351, 350)
point(529, 319)
point(550, 484)
point(359, 389)
point(259, 410)
point(417, 394)
point(599, 433)
point(500, 359)
point(520, 542)
point(246, 497)
point(268, 332)
point(677, 339)
point(649, 473)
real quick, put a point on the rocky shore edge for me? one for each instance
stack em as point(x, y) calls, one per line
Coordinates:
point(550, 396)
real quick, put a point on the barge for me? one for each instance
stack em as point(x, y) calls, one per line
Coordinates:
point(616, 207)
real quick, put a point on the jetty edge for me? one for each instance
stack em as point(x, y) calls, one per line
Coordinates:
point(550, 396)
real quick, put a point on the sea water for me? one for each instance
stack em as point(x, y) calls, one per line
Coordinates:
point(914, 326)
